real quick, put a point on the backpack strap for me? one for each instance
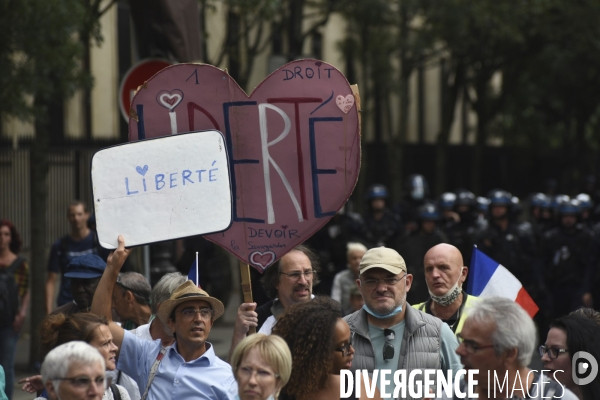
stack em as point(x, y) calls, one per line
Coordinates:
point(12, 268)
point(115, 391)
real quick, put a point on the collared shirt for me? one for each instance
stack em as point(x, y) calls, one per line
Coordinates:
point(207, 377)
point(277, 309)
point(143, 332)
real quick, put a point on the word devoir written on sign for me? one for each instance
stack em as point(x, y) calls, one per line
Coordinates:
point(162, 189)
point(293, 147)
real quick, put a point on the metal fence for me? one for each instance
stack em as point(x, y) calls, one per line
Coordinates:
point(68, 179)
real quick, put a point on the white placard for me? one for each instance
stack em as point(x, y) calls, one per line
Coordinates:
point(162, 189)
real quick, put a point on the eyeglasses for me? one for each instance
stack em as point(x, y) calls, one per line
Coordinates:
point(84, 382)
point(371, 284)
point(470, 345)
point(296, 274)
point(388, 348)
point(261, 374)
point(553, 352)
point(345, 349)
point(205, 313)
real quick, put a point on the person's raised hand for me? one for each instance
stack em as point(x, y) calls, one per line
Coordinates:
point(246, 317)
point(32, 384)
point(117, 257)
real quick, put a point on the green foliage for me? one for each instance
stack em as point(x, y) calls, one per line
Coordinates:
point(39, 53)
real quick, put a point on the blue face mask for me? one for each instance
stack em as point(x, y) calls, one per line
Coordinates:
point(395, 311)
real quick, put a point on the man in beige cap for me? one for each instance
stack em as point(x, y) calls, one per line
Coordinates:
point(187, 369)
point(389, 334)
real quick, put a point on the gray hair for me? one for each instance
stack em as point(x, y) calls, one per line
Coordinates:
point(514, 327)
point(59, 360)
point(164, 288)
point(355, 246)
point(137, 284)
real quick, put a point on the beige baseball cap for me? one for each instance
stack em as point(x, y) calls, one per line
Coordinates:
point(383, 257)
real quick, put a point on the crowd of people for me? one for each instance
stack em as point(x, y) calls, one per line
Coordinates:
point(388, 295)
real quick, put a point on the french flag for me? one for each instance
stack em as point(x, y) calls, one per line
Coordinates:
point(488, 278)
point(193, 275)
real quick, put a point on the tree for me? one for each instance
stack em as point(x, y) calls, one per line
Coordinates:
point(555, 101)
point(40, 63)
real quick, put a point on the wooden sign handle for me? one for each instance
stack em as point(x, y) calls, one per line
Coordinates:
point(247, 288)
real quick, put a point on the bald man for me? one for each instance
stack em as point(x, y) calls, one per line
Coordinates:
point(445, 273)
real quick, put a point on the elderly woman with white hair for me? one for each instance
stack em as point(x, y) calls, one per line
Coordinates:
point(74, 371)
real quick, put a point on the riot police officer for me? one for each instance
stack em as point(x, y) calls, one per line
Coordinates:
point(381, 226)
point(568, 260)
point(414, 246)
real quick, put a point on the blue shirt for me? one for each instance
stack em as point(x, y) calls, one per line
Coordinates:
point(62, 252)
point(207, 377)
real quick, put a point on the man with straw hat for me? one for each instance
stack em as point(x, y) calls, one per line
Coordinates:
point(189, 368)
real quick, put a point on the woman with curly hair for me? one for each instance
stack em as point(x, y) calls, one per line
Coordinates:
point(14, 281)
point(58, 329)
point(320, 344)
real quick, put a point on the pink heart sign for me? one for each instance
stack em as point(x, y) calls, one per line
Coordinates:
point(345, 103)
point(293, 148)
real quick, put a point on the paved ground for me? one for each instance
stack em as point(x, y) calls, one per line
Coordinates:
point(220, 337)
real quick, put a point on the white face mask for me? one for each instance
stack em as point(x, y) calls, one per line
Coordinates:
point(450, 296)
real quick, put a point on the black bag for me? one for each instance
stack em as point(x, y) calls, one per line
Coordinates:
point(9, 293)
point(115, 391)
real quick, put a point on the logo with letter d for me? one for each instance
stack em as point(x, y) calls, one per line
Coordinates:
point(584, 368)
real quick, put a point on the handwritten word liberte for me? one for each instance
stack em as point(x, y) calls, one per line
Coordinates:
point(169, 180)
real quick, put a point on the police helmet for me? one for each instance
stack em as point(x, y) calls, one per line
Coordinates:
point(376, 191)
point(483, 204)
point(429, 212)
point(557, 200)
point(417, 187)
point(571, 207)
point(540, 200)
point(447, 200)
point(465, 198)
point(500, 197)
point(585, 201)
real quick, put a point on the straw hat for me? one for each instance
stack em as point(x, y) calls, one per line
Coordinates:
point(185, 292)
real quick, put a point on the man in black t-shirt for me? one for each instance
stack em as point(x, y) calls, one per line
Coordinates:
point(80, 241)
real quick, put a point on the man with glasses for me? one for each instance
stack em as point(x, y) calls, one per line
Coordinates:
point(287, 282)
point(187, 369)
point(388, 334)
point(498, 340)
point(131, 299)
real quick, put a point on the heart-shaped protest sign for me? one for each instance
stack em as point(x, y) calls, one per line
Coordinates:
point(293, 146)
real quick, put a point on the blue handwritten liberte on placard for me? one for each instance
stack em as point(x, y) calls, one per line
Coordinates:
point(167, 180)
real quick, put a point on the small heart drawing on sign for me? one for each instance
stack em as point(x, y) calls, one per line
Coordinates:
point(171, 99)
point(262, 260)
point(345, 103)
point(283, 226)
point(142, 171)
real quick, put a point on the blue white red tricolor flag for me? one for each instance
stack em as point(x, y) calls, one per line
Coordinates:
point(489, 278)
point(193, 274)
